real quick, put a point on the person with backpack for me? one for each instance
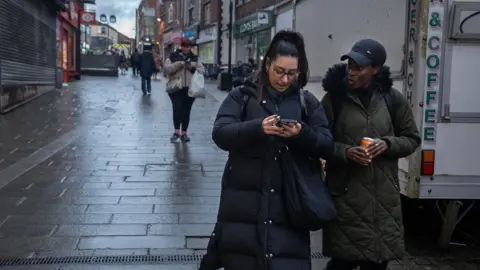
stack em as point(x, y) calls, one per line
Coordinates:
point(363, 108)
point(262, 123)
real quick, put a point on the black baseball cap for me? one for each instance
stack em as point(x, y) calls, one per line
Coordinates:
point(367, 52)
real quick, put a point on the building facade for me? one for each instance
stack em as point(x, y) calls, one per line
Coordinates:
point(69, 24)
point(103, 36)
point(28, 30)
point(172, 16)
point(191, 20)
point(223, 35)
point(254, 21)
point(208, 41)
point(146, 24)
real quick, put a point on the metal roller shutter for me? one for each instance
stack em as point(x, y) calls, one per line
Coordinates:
point(27, 43)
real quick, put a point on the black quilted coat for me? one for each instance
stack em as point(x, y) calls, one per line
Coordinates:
point(252, 231)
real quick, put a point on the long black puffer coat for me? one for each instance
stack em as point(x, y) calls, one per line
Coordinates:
point(253, 231)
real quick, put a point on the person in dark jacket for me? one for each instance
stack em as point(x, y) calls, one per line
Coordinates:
point(135, 60)
point(253, 231)
point(368, 231)
point(147, 67)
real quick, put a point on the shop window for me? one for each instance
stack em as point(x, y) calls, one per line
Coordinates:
point(191, 16)
point(207, 13)
point(170, 13)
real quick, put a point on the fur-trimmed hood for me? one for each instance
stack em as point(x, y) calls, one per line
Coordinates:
point(335, 78)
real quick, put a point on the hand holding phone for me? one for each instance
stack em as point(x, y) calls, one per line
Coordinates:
point(291, 128)
point(286, 122)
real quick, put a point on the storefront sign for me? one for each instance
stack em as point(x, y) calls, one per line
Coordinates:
point(92, 2)
point(191, 33)
point(253, 23)
point(207, 35)
point(433, 63)
point(412, 33)
point(87, 17)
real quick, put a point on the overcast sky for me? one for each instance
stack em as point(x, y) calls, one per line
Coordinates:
point(124, 10)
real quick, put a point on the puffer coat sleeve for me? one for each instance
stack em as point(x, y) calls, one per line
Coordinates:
point(407, 138)
point(315, 139)
point(229, 132)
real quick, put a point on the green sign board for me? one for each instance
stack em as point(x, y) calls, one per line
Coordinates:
point(256, 22)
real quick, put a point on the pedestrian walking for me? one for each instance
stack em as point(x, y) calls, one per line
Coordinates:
point(135, 60)
point(156, 57)
point(147, 67)
point(254, 230)
point(123, 63)
point(372, 126)
point(179, 68)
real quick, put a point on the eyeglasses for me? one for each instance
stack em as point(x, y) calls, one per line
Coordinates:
point(281, 72)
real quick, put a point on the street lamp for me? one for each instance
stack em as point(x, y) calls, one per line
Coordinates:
point(159, 20)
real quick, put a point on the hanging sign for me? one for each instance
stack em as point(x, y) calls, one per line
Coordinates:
point(87, 17)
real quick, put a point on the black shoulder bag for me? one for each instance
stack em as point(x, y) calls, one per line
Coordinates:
point(308, 202)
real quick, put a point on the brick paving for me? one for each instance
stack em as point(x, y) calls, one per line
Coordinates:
point(90, 171)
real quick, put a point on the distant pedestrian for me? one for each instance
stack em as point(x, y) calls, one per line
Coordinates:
point(123, 63)
point(147, 67)
point(179, 68)
point(135, 60)
point(156, 57)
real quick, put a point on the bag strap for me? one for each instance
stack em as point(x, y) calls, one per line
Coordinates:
point(303, 104)
point(243, 109)
point(337, 103)
point(390, 101)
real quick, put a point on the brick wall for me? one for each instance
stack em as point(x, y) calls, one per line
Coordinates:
point(176, 8)
point(213, 17)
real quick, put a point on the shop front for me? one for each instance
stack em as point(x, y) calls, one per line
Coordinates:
point(192, 34)
point(27, 50)
point(252, 35)
point(69, 23)
point(207, 45)
point(171, 42)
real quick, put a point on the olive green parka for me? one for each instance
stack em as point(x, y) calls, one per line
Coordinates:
point(369, 224)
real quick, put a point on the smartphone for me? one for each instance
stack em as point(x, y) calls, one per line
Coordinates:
point(286, 122)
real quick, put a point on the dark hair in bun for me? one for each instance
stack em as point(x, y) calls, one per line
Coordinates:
point(286, 43)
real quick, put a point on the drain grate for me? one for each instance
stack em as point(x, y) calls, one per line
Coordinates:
point(130, 259)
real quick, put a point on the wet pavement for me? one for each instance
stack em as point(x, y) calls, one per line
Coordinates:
point(89, 171)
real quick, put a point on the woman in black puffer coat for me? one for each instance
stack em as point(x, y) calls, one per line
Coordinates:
point(253, 231)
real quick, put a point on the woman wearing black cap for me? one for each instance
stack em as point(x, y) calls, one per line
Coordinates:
point(179, 68)
point(362, 174)
point(254, 230)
